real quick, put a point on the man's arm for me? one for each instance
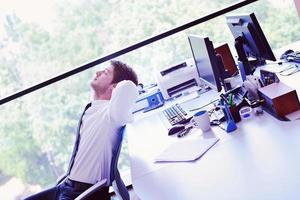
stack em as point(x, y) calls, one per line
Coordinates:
point(122, 100)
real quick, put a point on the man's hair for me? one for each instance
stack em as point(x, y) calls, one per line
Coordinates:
point(122, 72)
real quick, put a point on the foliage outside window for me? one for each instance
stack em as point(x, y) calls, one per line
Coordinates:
point(37, 130)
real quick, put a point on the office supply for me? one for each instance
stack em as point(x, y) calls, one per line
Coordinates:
point(290, 69)
point(231, 126)
point(176, 79)
point(206, 61)
point(175, 129)
point(256, 107)
point(176, 115)
point(201, 120)
point(234, 111)
point(268, 77)
point(291, 56)
point(279, 99)
point(186, 150)
point(235, 99)
point(185, 132)
point(250, 43)
point(286, 53)
point(230, 99)
point(245, 112)
point(149, 101)
point(238, 94)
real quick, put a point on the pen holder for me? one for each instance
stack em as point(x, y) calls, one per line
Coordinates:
point(235, 113)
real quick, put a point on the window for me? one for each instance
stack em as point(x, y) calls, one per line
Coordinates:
point(41, 41)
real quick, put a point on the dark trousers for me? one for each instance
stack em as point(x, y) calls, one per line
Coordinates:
point(69, 190)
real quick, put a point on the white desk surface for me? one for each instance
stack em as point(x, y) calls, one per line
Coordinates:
point(260, 160)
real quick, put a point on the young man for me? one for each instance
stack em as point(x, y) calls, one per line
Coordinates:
point(114, 92)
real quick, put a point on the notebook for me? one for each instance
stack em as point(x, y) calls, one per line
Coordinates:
point(186, 150)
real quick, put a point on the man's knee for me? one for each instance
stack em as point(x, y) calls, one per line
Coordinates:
point(48, 194)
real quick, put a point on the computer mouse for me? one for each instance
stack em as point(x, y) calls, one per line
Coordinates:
point(175, 129)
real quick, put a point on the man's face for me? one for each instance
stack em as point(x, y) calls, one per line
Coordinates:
point(102, 80)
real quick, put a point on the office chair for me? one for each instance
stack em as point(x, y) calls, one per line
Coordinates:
point(115, 178)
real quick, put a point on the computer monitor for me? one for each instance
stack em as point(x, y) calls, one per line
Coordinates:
point(250, 42)
point(206, 61)
point(228, 61)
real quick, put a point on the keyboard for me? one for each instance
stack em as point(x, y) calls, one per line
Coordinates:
point(176, 115)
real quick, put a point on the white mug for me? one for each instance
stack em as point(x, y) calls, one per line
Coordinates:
point(201, 120)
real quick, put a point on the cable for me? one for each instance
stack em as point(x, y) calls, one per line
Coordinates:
point(294, 67)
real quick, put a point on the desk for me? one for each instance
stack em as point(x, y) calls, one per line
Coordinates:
point(260, 160)
point(294, 79)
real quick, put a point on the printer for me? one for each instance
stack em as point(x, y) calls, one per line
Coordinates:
point(176, 79)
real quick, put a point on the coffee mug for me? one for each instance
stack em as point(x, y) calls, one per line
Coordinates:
point(201, 120)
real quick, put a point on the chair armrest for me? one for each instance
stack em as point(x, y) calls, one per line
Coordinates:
point(92, 189)
point(61, 178)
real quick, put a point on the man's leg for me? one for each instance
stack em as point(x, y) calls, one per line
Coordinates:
point(70, 190)
point(102, 194)
point(49, 194)
point(67, 191)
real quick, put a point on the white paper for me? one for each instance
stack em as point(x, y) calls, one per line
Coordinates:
point(186, 150)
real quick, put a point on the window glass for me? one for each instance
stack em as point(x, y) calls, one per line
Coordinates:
point(40, 39)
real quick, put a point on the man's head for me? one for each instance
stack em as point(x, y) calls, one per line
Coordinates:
point(123, 72)
point(107, 79)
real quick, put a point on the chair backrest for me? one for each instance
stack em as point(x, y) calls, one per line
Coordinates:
point(115, 178)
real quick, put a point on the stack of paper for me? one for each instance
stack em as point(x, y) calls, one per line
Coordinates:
point(186, 150)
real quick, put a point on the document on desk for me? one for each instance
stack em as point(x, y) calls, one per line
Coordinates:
point(186, 150)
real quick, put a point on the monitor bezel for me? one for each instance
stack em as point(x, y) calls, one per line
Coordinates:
point(212, 59)
point(252, 34)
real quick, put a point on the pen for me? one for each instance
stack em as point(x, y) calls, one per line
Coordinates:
point(184, 132)
point(230, 101)
point(224, 98)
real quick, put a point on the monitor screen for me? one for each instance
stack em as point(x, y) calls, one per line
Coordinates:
point(206, 61)
point(250, 42)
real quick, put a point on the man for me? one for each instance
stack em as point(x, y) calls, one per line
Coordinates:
point(114, 92)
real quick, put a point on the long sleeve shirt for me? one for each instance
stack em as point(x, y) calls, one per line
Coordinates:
point(98, 134)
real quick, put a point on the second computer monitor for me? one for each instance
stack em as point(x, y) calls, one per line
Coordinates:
point(250, 42)
point(206, 61)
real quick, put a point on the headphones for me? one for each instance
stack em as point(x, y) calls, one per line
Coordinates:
point(286, 54)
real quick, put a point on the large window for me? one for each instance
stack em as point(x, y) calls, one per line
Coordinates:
point(40, 39)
